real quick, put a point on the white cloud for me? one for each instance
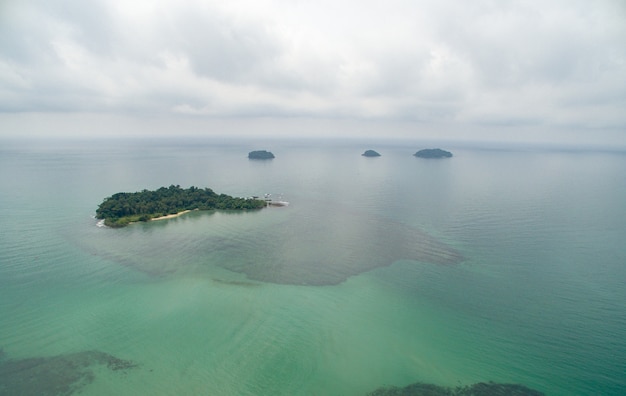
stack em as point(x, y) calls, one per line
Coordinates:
point(560, 63)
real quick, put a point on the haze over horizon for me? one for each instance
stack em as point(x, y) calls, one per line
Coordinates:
point(511, 71)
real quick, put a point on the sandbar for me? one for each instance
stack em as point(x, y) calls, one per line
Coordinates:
point(170, 216)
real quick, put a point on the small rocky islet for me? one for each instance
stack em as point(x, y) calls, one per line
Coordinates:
point(260, 155)
point(433, 153)
point(370, 153)
point(424, 153)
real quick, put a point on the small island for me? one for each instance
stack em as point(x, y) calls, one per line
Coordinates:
point(260, 154)
point(433, 153)
point(370, 153)
point(122, 209)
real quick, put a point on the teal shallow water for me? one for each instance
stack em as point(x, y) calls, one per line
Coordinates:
point(212, 303)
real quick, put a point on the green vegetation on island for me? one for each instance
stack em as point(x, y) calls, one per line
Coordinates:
point(121, 209)
point(260, 154)
point(433, 153)
point(370, 153)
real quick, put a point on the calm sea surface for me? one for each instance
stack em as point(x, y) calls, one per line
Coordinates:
point(494, 265)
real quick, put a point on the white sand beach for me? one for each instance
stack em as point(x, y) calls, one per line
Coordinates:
point(170, 216)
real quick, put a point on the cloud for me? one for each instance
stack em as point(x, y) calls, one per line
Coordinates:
point(561, 63)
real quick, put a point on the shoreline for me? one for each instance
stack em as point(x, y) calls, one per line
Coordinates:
point(171, 216)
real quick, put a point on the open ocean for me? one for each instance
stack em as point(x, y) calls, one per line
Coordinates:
point(504, 265)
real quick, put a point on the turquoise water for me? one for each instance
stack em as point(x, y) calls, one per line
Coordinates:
point(495, 265)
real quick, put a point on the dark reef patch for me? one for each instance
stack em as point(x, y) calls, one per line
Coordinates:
point(236, 283)
point(314, 247)
point(479, 389)
point(327, 252)
point(55, 375)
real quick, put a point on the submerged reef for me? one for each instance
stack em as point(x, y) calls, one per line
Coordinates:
point(55, 375)
point(295, 252)
point(479, 389)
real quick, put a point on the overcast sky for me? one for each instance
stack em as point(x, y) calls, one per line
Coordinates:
point(549, 70)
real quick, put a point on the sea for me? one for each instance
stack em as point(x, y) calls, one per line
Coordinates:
point(505, 264)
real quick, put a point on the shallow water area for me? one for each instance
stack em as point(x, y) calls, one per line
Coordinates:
point(502, 266)
point(269, 246)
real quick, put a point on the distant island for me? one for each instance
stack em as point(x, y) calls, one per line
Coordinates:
point(260, 154)
point(433, 153)
point(370, 153)
point(121, 209)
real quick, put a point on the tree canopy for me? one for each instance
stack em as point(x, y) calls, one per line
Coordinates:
point(433, 153)
point(260, 154)
point(123, 208)
point(370, 153)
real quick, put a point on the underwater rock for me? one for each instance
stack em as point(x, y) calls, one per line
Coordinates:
point(55, 375)
point(479, 389)
point(260, 154)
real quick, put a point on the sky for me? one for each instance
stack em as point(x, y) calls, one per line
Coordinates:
point(532, 70)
